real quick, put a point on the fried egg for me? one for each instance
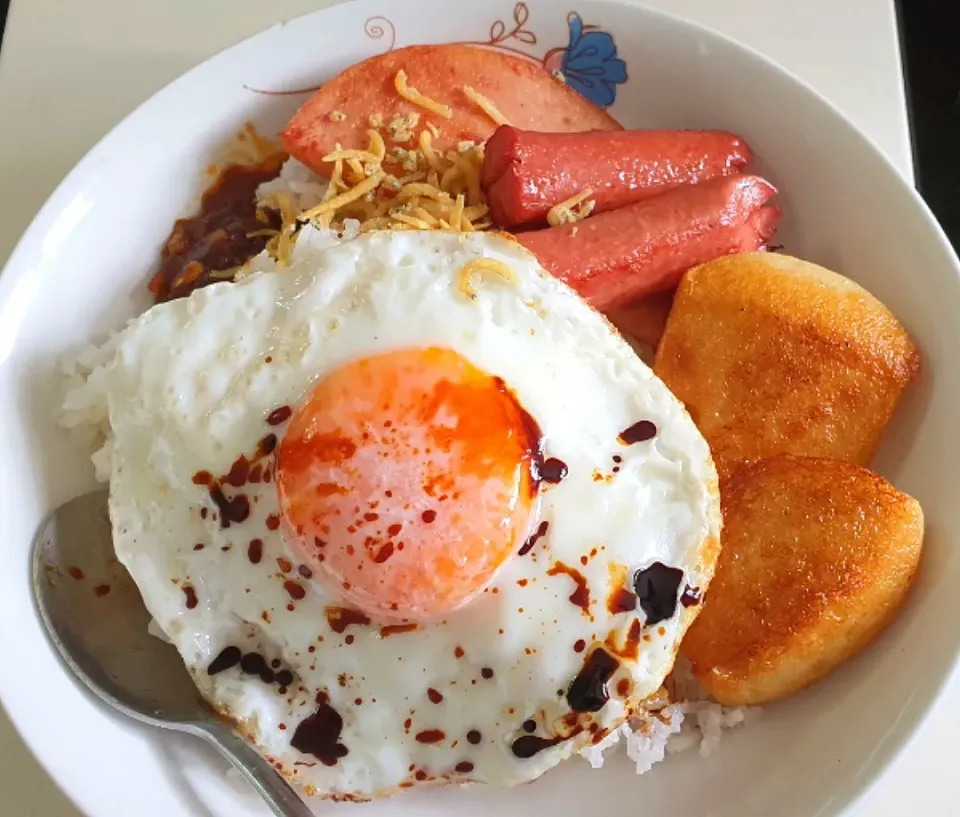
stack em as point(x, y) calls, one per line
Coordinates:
point(409, 509)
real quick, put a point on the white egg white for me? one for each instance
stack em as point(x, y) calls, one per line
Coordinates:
point(190, 389)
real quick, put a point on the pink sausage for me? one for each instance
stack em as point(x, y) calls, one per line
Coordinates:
point(619, 256)
point(525, 173)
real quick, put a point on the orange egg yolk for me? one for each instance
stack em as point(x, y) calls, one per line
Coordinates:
point(405, 479)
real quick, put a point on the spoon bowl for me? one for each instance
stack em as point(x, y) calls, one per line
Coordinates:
point(96, 620)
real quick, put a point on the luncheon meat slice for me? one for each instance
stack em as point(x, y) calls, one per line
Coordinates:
point(617, 257)
point(523, 91)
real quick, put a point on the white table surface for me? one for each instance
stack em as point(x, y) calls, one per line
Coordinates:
point(67, 77)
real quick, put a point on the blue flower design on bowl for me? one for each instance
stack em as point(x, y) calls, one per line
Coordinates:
point(589, 63)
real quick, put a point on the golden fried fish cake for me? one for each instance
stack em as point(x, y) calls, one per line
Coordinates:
point(817, 559)
point(776, 355)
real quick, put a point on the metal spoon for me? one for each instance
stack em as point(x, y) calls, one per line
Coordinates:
point(95, 618)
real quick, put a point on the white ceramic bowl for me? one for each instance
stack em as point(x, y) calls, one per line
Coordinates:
point(82, 266)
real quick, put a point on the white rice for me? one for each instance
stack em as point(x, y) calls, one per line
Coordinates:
point(692, 719)
point(83, 411)
point(646, 740)
point(304, 186)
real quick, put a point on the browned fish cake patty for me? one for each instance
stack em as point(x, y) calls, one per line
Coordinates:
point(817, 559)
point(775, 355)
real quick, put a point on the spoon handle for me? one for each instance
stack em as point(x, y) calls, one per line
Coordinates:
point(275, 791)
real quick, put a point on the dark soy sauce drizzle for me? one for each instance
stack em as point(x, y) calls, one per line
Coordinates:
point(588, 692)
point(639, 432)
point(279, 415)
point(237, 509)
point(534, 537)
point(339, 618)
point(234, 510)
point(251, 663)
point(393, 629)
point(552, 470)
point(691, 597)
point(657, 587)
point(548, 470)
point(430, 736)
point(255, 664)
point(531, 431)
point(228, 658)
point(527, 746)
point(621, 601)
point(319, 733)
point(580, 597)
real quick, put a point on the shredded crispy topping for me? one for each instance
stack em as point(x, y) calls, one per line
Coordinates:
point(574, 209)
point(414, 97)
point(280, 245)
point(485, 105)
point(351, 195)
point(400, 181)
point(479, 266)
point(437, 191)
point(355, 155)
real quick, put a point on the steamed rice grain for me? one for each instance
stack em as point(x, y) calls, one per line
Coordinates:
point(296, 180)
point(691, 720)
